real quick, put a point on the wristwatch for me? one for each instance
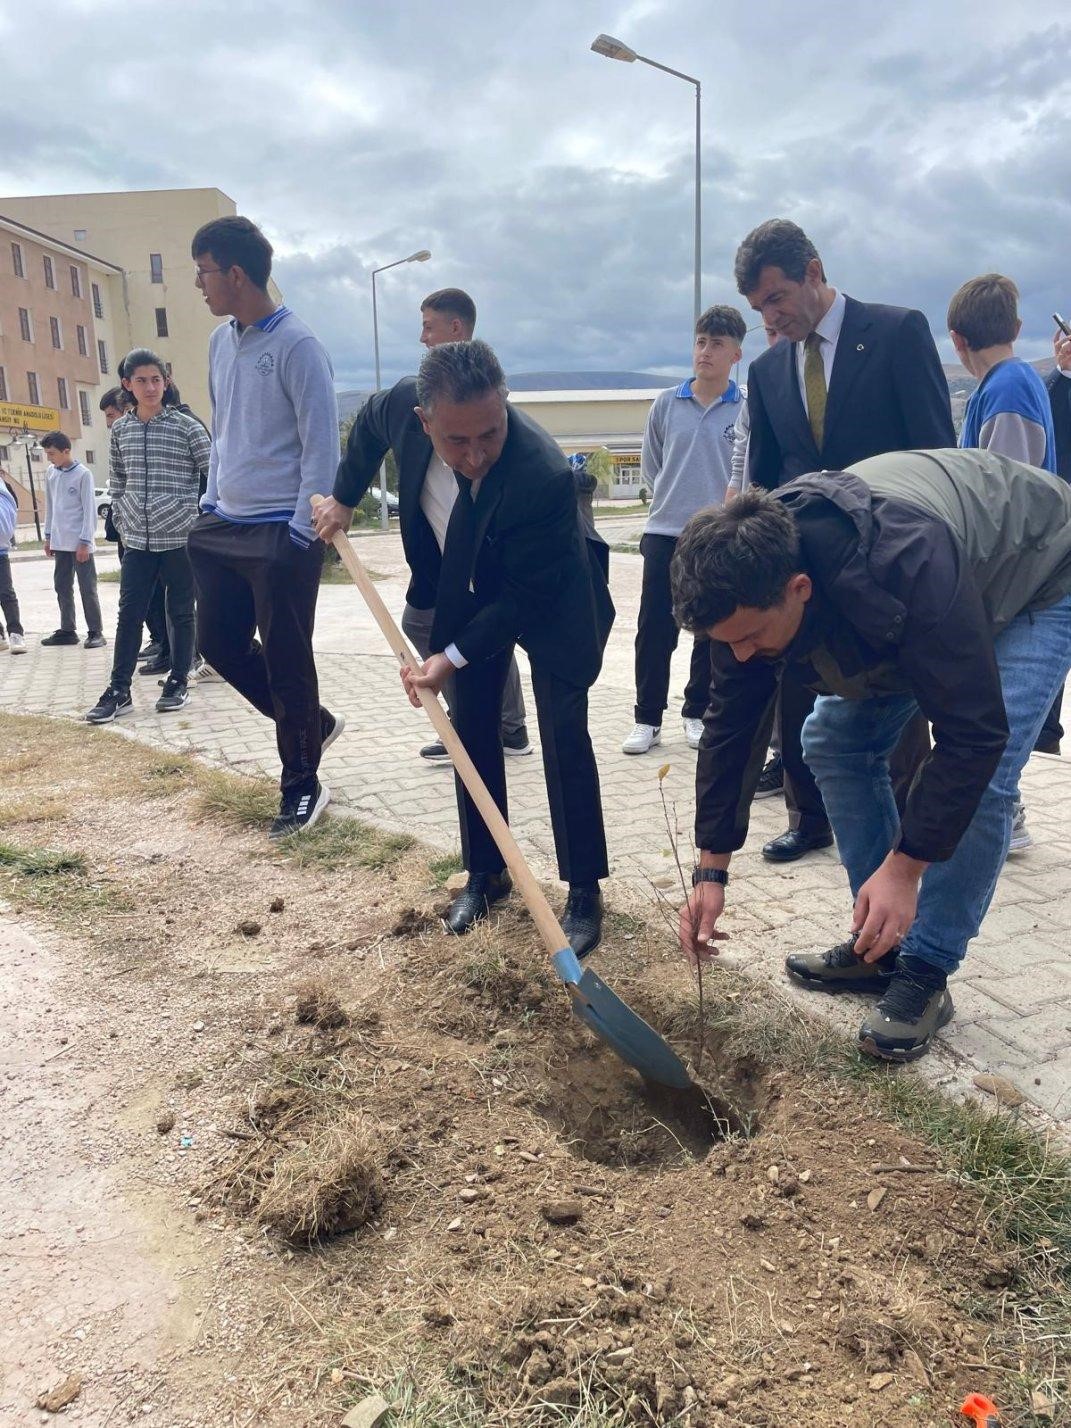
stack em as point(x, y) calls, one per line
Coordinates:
point(710, 875)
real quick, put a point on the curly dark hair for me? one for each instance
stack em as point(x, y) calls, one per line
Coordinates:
point(739, 555)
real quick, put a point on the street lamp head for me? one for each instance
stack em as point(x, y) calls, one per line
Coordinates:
point(421, 257)
point(613, 49)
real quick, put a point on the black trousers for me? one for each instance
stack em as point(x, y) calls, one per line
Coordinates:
point(1052, 731)
point(254, 578)
point(9, 601)
point(806, 811)
point(568, 765)
point(657, 634)
point(156, 614)
point(143, 573)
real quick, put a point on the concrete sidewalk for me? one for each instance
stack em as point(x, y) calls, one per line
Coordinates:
point(1013, 998)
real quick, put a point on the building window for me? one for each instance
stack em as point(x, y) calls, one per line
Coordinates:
point(83, 342)
point(50, 272)
point(76, 281)
point(57, 335)
point(16, 260)
point(33, 388)
point(156, 267)
point(91, 457)
point(85, 409)
point(25, 326)
point(102, 354)
point(3, 385)
point(64, 398)
point(161, 322)
point(80, 235)
point(98, 305)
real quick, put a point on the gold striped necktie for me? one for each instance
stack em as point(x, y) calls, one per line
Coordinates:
point(814, 384)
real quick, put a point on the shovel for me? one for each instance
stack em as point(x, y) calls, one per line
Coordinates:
point(597, 1006)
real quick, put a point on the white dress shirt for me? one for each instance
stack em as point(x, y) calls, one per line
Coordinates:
point(829, 331)
point(437, 497)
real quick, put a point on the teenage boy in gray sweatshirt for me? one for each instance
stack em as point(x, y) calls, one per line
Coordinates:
point(70, 528)
point(256, 558)
point(686, 464)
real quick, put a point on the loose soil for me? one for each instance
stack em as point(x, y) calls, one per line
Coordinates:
point(274, 1141)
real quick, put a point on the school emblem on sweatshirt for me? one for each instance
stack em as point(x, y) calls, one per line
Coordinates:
point(265, 363)
point(730, 433)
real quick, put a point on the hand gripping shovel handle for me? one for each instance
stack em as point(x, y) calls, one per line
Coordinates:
point(548, 925)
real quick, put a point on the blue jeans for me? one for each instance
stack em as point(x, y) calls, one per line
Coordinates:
point(847, 744)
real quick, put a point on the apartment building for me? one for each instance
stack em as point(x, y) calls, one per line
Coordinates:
point(147, 236)
point(63, 327)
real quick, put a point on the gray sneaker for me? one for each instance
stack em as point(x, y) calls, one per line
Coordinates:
point(904, 1023)
point(176, 695)
point(840, 969)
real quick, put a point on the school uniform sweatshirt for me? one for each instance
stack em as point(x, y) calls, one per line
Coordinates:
point(71, 517)
point(274, 423)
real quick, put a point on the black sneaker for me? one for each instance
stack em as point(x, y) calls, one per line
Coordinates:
point(112, 704)
point(772, 779)
point(331, 726)
point(516, 745)
point(61, 637)
point(94, 641)
point(299, 811)
point(435, 753)
point(150, 651)
point(904, 1023)
point(176, 694)
point(159, 664)
point(840, 969)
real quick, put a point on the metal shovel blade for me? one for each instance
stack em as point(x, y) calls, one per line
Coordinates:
point(618, 1025)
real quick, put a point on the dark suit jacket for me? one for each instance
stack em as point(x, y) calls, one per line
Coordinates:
point(887, 392)
point(536, 579)
point(1060, 397)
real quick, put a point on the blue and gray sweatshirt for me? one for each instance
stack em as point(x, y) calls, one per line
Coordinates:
point(1009, 413)
point(275, 423)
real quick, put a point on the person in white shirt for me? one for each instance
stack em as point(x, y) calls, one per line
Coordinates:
point(70, 531)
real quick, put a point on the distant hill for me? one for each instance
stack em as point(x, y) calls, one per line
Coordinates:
point(962, 384)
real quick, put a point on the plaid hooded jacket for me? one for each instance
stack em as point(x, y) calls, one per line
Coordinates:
point(156, 476)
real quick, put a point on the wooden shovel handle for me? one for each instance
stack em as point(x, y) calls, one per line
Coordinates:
point(549, 927)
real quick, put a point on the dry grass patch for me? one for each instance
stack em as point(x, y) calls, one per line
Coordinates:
point(32, 810)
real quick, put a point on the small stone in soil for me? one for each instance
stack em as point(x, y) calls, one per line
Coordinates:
point(57, 1398)
point(166, 1122)
point(276, 905)
point(562, 1212)
point(249, 927)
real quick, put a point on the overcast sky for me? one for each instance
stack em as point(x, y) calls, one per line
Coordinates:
point(919, 144)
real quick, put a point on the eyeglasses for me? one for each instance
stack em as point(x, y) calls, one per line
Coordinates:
point(204, 272)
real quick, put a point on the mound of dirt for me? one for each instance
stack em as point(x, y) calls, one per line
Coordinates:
point(318, 1007)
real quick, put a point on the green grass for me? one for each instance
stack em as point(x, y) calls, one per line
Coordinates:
point(335, 573)
point(626, 547)
point(445, 867)
point(247, 802)
point(340, 841)
point(40, 862)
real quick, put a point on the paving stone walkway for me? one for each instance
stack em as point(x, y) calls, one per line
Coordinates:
point(1013, 998)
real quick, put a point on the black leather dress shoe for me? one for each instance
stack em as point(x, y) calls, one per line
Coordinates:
point(474, 901)
point(582, 918)
point(794, 844)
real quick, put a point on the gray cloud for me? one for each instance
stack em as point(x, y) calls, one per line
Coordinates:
point(918, 147)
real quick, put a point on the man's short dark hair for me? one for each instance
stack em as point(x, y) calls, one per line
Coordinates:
point(727, 557)
point(56, 441)
point(117, 397)
point(777, 243)
point(452, 302)
point(985, 312)
point(235, 243)
point(459, 372)
point(721, 321)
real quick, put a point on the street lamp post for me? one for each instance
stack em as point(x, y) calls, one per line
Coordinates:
point(616, 49)
point(421, 257)
point(28, 442)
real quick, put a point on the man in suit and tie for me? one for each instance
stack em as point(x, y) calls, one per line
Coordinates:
point(851, 380)
point(512, 567)
point(388, 422)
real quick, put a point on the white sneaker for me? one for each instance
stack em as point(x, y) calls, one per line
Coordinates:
point(1020, 834)
point(17, 643)
point(642, 738)
point(3, 642)
point(693, 732)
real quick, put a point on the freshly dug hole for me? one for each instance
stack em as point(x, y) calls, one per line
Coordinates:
point(608, 1115)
